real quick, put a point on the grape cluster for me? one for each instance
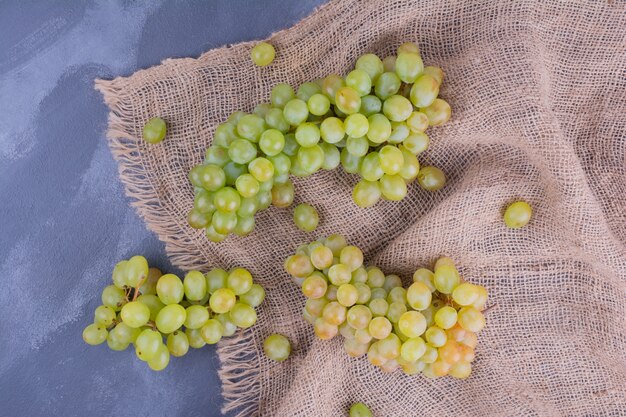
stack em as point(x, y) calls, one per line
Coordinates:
point(143, 307)
point(371, 121)
point(430, 327)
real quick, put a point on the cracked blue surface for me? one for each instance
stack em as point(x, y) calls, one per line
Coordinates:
point(64, 218)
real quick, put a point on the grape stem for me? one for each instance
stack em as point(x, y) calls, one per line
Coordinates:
point(491, 307)
point(136, 294)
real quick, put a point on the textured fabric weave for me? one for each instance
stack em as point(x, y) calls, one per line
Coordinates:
point(538, 92)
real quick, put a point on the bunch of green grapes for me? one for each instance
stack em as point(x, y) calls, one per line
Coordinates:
point(430, 327)
point(371, 122)
point(162, 315)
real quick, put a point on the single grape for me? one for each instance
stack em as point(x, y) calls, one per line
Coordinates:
point(370, 104)
point(314, 286)
point(135, 314)
point(115, 344)
point(435, 72)
point(334, 313)
point(397, 108)
point(275, 120)
point(411, 166)
point(295, 111)
point(375, 277)
point(347, 295)
point(413, 349)
point(438, 112)
point(263, 54)
point(364, 292)
point(366, 193)
point(446, 317)
point(351, 256)
point(307, 134)
point(426, 277)
point(324, 330)
point(196, 316)
point(359, 316)
point(161, 358)
point(339, 274)
point(261, 169)
point(446, 279)
point(95, 334)
point(360, 81)
point(471, 319)
point(387, 85)
point(431, 178)
point(518, 214)
point(380, 327)
point(315, 306)
point(215, 155)
point(153, 303)
point(379, 128)
point(318, 104)
point(199, 220)
point(371, 64)
point(195, 338)
point(460, 370)
point(277, 347)
point(409, 66)
point(379, 292)
point(335, 243)
point(307, 90)
point(216, 279)
point(350, 162)
point(435, 336)
point(239, 280)
point(124, 334)
point(170, 318)
point(311, 158)
point(212, 331)
point(389, 63)
point(332, 130)
point(242, 315)
point(465, 294)
point(412, 324)
point(222, 300)
point(391, 159)
point(104, 316)
point(194, 285)
point(250, 127)
point(395, 311)
point(418, 296)
point(393, 187)
point(178, 344)
point(416, 142)
point(229, 327)
point(331, 84)
point(147, 344)
point(399, 132)
point(322, 257)
point(233, 171)
point(154, 130)
point(370, 167)
point(417, 122)
point(356, 126)
point(348, 100)
point(354, 348)
point(281, 94)
point(424, 91)
point(282, 194)
point(299, 266)
point(481, 300)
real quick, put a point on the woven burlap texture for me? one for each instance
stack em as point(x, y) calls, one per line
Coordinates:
point(538, 92)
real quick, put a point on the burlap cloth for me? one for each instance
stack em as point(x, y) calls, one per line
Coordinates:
point(538, 92)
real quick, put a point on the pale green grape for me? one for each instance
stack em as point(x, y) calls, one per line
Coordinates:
point(418, 296)
point(371, 64)
point(122, 333)
point(370, 167)
point(334, 313)
point(212, 331)
point(153, 303)
point(395, 311)
point(234, 171)
point(120, 274)
point(339, 274)
point(282, 194)
point(161, 358)
point(331, 84)
point(350, 162)
point(307, 134)
point(135, 314)
point(460, 370)
point(261, 169)
point(311, 158)
point(272, 142)
point(95, 334)
point(115, 344)
point(332, 157)
point(242, 315)
point(366, 193)
point(471, 319)
point(299, 265)
point(216, 279)
point(375, 277)
point(391, 159)
point(295, 112)
point(351, 256)
point(348, 100)
point(178, 344)
point(393, 187)
point(195, 338)
point(359, 316)
point(263, 54)
point(356, 125)
point(147, 344)
point(324, 330)
point(224, 135)
point(411, 166)
point(435, 336)
point(379, 327)
point(409, 66)
point(170, 318)
point(354, 348)
point(222, 300)
point(241, 151)
point(314, 286)
point(331, 293)
point(435, 72)
point(379, 128)
point(227, 199)
point(307, 90)
point(364, 292)
point(211, 177)
point(397, 108)
point(315, 306)
point(250, 127)
point(389, 63)
point(281, 163)
point(396, 294)
point(239, 280)
point(416, 142)
point(196, 316)
point(194, 285)
point(370, 104)
point(224, 222)
point(465, 294)
point(305, 217)
point(275, 120)
point(399, 132)
point(389, 347)
point(431, 178)
point(387, 85)
point(215, 155)
point(438, 112)
point(254, 296)
point(322, 257)
point(336, 243)
point(417, 122)
point(261, 109)
point(424, 91)
point(430, 355)
point(518, 214)
point(277, 347)
point(426, 277)
point(412, 324)
point(446, 279)
point(347, 295)
point(154, 130)
point(378, 292)
point(170, 289)
point(203, 202)
point(332, 130)
point(318, 104)
point(446, 317)
point(247, 186)
point(229, 327)
point(104, 316)
point(281, 94)
point(357, 146)
point(199, 220)
point(408, 48)
point(413, 349)
point(264, 198)
point(359, 81)
point(378, 306)
point(266, 186)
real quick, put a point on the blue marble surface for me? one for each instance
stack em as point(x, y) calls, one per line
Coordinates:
point(64, 218)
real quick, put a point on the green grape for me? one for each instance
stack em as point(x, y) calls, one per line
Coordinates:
point(465, 294)
point(239, 280)
point(170, 289)
point(224, 135)
point(359, 81)
point(277, 347)
point(120, 275)
point(135, 314)
point(438, 112)
point(170, 318)
point(295, 112)
point(305, 217)
point(315, 306)
point(359, 317)
point(517, 215)
point(356, 125)
point(395, 311)
point(247, 186)
point(233, 171)
point(331, 293)
point(413, 349)
point(391, 282)
point(212, 177)
point(334, 313)
point(263, 54)
point(446, 279)
point(261, 109)
point(95, 334)
point(227, 199)
point(348, 100)
point(353, 348)
point(412, 324)
point(161, 358)
point(322, 257)
point(242, 315)
point(153, 303)
point(409, 66)
point(275, 120)
point(350, 162)
point(375, 277)
point(199, 220)
point(261, 169)
point(408, 48)
point(123, 334)
point(254, 296)
point(435, 336)
point(471, 319)
point(389, 63)
point(396, 294)
point(417, 122)
point(318, 104)
point(430, 355)
point(363, 336)
point(324, 330)
point(212, 331)
point(431, 178)
point(364, 292)
point(416, 142)
point(418, 296)
point(203, 202)
point(332, 156)
point(339, 274)
point(378, 292)
point(242, 151)
point(335, 243)
point(332, 130)
point(104, 316)
point(435, 72)
point(311, 158)
point(250, 127)
point(357, 146)
point(397, 108)
point(281, 163)
point(216, 279)
point(178, 344)
point(352, 257)
point(445, 317)
point(264, 199)
point(281, 94)
point(378, 307)
point(424, 91)
point(224, 222)
point(391, 159)
point(272, 142)
point(370, 167)
point(379, 327)
point(196, 316)
point(370, 105)
point(359, 275)
point(331, 85)
point(460, 370)
point(307, 90)
point(115, 344)
point(393, 187)
point(147, 344)
point(371, 64)
point(411, 166)
point(426, 277)
point(215, 155)
point(282, 194)
point(195, 338)
point(399, 132)
point(245, 226)
point(229, 327)
point(389, 347)
point(266, 186)
point(412, 368)
point(154, 130)
point(379, 128)
point(222, 300)
point(347, 295)
point(194, 285)
point(307, 134)
point(149, 286)
point(387, 85)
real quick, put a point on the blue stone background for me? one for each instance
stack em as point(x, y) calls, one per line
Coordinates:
point(64, 218)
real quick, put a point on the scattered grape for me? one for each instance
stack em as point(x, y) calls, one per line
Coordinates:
point(263, 54)
point(154, 130)
point(517, 215)
point(277, 347)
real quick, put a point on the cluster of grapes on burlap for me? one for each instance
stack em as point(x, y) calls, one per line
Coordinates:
point(371, 121)
point(143, 307)
point(430, 327)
